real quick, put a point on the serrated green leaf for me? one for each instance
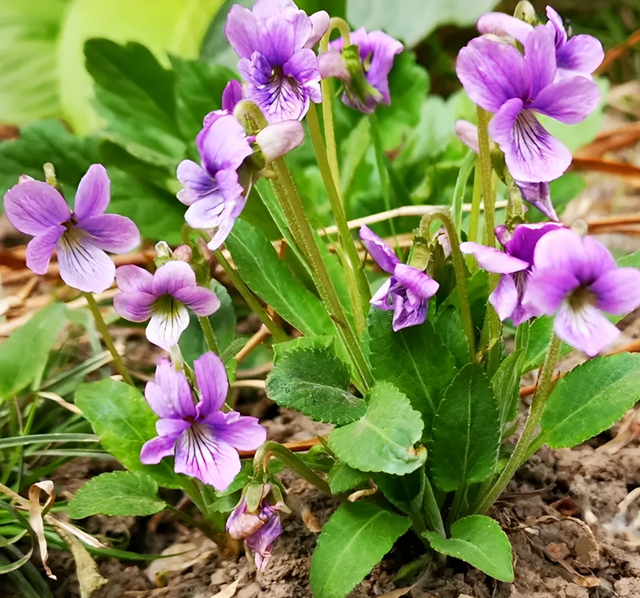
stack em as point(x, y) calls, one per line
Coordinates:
point(479, 541)
point(343, 478)
point(589, 399)
point(123, 422)
point(313, 381)
point(352, 542)
point(466, 431)
point(23, 356)
point(413, 359)
point(448, 326)
point(403, 492)
point(117, 493)
point(383, 439)
point(265, 274)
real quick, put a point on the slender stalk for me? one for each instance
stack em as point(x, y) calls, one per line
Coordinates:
point(209, 337)
point(458, 267)
point(359, 292)
point(303, 235)
point(476, 200)
point(278, 334)
point(521, 452)
point(290, 460)
point(486, 177)
point(106, 337)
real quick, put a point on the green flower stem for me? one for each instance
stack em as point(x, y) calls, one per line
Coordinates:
point(304, 237)
point(474, 217)
point(106, 337)
point(209, 337)
point(431, 511)
point(290, 460)
point(278, 334)
point(459, 269)
point(359, 291)
point(521, 452)
point(486, 177)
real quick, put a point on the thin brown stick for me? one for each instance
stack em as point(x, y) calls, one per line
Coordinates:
point(256, 340)
point(612, 55)
point(297, 446)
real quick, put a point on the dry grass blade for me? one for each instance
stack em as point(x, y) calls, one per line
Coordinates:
point(36, 513)
point(620, 169)
point(617, 51)
point(609, 141)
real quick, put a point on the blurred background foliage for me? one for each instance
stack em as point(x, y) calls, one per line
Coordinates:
point(127, 83)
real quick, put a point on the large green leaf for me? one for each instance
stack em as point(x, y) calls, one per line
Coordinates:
point(123, 421)
point(352, 542)
point(313, 381)
point(403, 492)
point(589, 399)
point(341, 478)
point(466, 431)
point(414, 359)
point(23, 356)
point(383, 439)
point(479, 541)
point(265, 274)
point(117, 493)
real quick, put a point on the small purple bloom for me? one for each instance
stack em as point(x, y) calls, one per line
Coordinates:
point(216, 192)
point(376, 51)
point(204, 440)
point(231, 95)
point(579, 55)
point(273, 41)
point(258, 529)
point(80, 238)
point(577, 279)
point(514, 87)
point(164, 297)
point(408, 289)
point(537, 194)
point(515, 265)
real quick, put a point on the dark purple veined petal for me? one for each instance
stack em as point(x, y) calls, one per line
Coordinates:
point(111, 232)
point(154, 450)
point(222, 145)
point(41, 247)
point(617, 291)
point(557, 27)
point(406, 313)
point(378, 249)
point(201, 301)
point(569, 100)
point(522, 243)
point(212, 382)
point(280, 38)
point(241, 30)
point(33, 207)
point(166, 326)
point(92, 196)
point(581, 54)
point(169, 395)
point(584, 328)
point(242, 432)
point(540, 59)
point(537, 194)
point(416, 281)
point(171, 277)
point(135, 306)
point(197, 181)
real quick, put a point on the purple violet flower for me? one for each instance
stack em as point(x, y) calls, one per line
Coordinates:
point(514, 87)
point(259, 530)
point(408, 289)
point(80, 238)
point(164, 297)
point(376, 51)
point(515, 264)
point(579, 55)
point(204, 440)
point(273, 42)
point(216, 192)
point(577, 279)
point(537, 194)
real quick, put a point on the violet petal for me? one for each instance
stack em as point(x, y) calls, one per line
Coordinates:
point(33, 207)
point(92, 196)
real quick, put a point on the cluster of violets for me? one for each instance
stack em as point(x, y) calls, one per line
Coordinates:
point(513, 70)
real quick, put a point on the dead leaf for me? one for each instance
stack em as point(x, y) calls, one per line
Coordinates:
point(228, 591)
point(181, 556)
point(403, 592)
point(557, 551)
point(36, 513)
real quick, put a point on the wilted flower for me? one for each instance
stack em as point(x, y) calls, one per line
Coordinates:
point(273, 41)
point(579, 55)
point(363, 67)
point(577, 279)
point(80, 238)
point(515, 265)
point(258, 529)
point(164, 297)
point(216, 192)
point(514, 87)
point(204, 440)
point(408, 289)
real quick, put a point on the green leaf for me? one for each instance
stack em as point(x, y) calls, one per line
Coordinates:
point(506, 386)
point(136, 96)
point(539, 337)
point(403, 492)
point(589, 399)
point(265, 274)
point(23, 356)
point(413, 359)
point(123, 421)
point(448, 326)
point(313, 381)
point(629, 261)
point(479, 541)
point(466, 431)
point(118, 493)
point(383, 439)
point(352, 542)
point(343, 478)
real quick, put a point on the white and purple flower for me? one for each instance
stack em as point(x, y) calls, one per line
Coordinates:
point(165, 297)
point(577, 279)
point(407, 291)
point(515, 87)
point(204, 440)
point(376, 52)
point(273, 41)
point(515, 264)
point(80, 238)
